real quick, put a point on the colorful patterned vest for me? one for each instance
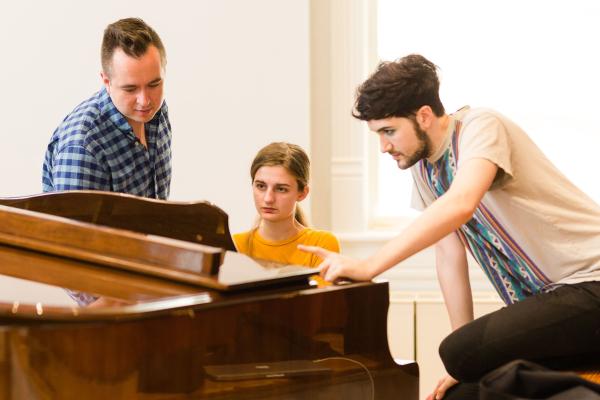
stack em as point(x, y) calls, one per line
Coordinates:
point(513, 274)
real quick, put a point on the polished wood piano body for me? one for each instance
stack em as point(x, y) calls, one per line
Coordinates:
point(153, 336)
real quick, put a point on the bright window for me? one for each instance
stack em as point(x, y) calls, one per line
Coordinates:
point(536, 62)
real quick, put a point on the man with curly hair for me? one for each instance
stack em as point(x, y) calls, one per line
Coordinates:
point(484, 186)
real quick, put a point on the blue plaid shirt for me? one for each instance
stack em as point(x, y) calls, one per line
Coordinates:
point(95, 148)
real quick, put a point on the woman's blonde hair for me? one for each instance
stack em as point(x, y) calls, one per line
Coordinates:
point(293, 158)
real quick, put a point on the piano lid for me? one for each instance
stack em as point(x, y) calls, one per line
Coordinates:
point(182, 242)
point(196, 222)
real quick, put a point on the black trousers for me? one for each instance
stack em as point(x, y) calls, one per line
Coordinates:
point(559, 329)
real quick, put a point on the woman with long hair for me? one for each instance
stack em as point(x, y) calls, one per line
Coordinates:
point(280, 174)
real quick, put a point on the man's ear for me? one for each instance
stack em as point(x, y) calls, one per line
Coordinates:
point(425, 116)
point(105, 80)
point(304, 193)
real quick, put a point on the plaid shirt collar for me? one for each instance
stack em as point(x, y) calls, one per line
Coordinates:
point(109, 111)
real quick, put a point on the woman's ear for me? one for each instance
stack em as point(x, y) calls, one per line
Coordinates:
point(302, 195)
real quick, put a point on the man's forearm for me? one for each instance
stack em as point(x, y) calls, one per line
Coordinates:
point(444, 216)
point(453, 276)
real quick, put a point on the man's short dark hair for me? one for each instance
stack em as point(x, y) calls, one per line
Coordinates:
point(398, 89)
point(133, 36)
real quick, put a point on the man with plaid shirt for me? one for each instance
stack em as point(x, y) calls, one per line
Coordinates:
point(119, 139)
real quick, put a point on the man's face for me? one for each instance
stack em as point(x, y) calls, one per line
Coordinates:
point(402, 138)
point(135, 85)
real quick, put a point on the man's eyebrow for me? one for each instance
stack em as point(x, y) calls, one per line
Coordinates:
point(131, 86)
point(383, 128)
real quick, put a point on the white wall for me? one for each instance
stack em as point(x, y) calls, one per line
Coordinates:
point(237, 78)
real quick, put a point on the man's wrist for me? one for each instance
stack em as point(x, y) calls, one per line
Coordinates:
point(368, 267)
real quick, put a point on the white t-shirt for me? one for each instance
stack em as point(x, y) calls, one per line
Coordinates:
point(533, 228)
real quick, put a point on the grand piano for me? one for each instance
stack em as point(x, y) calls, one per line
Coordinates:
point(177, 313)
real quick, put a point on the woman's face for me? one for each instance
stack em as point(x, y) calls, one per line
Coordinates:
point(276, 193)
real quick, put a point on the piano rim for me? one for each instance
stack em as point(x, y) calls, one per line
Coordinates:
point(17, 312)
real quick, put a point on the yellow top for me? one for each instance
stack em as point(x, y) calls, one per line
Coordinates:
point(285, 251)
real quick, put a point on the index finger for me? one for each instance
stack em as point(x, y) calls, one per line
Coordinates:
point(319, 251)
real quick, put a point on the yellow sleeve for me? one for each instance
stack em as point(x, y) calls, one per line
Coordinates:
point(328, 241)
point(332, 243)
point(241, 241)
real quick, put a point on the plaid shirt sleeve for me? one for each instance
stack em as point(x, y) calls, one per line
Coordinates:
point(75, 168)
point(81, 298)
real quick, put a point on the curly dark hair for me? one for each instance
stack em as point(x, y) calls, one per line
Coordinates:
point(133, 36)
point(398, 89)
